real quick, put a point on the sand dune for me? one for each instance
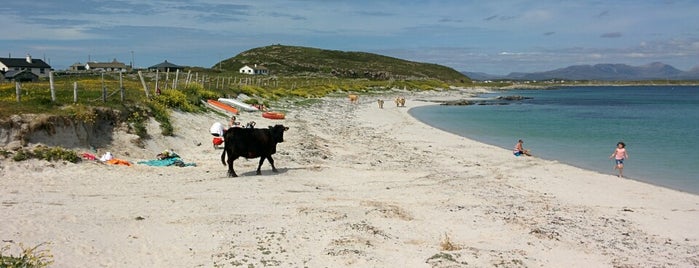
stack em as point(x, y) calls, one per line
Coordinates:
point(358, 186)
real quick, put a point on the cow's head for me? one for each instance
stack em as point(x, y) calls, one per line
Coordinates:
point(278, 132)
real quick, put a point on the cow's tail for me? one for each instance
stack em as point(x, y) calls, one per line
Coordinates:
point(223, 156)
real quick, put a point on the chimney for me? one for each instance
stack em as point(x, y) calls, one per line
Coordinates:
point(255, 65)
point(29, 58)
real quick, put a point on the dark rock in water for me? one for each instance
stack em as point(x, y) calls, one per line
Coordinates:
point(500, 100)
point(513, 98)
point(458, 102)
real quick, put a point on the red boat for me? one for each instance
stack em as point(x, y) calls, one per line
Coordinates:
point(221, 106)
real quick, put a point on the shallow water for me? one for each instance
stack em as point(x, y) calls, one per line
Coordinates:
point(581, 126)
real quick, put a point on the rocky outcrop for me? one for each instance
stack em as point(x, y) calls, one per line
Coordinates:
point(513, 98)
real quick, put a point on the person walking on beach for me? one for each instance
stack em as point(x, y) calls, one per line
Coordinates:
point(619, 155)
point(519, 149)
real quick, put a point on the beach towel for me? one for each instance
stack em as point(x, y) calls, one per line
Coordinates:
point(172, 161)
point(89, 156)
point(117, 161)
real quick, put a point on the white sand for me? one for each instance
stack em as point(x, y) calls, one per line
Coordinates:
point(358, 186)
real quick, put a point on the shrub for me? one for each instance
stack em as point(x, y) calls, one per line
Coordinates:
point(29, 257)
point(175, 99)
point(162, 115)
point(48, 154)
point(82, 113)
point(136, 121)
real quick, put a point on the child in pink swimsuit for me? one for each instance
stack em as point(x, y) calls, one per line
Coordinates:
point(619, 155)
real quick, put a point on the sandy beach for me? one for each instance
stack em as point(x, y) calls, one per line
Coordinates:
point(357, 186)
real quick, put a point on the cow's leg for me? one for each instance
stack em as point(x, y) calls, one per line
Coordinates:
point(231, 171)
point(271, 162)
point(262, 160)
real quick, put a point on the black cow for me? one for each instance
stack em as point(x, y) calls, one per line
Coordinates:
point(251, 143)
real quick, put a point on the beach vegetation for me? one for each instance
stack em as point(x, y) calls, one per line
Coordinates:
point(47, 153)
point(5, 153)
point(447, 245)
point(82, 113)
point(161, 114)
point(28, 257)
point(137, 122)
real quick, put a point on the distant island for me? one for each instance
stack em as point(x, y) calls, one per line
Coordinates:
point(599, 72)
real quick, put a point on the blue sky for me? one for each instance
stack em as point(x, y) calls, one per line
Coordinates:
point(496, 37)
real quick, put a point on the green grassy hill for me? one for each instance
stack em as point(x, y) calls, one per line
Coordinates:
point(294, 60)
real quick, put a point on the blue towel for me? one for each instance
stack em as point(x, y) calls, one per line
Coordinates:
point(176, 161)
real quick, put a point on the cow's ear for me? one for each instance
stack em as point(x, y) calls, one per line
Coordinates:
point(286, 128)
point(271, 127)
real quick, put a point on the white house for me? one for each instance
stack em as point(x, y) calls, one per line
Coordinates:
point(37, 67)
point(254, 70)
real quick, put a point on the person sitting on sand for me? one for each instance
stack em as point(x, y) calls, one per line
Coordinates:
point(519, 149)
point(217, 131)
point(619, 155)
point(233, 123)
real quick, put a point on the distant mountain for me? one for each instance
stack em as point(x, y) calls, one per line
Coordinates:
point(296, 60)
point(604, 72)
point(482, 76)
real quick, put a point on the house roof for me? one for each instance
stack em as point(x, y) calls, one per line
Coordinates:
point(258, 67)
point(22, 63)
point(113, 64)
point(13, 73)
point(165, 65)
point(77, 64)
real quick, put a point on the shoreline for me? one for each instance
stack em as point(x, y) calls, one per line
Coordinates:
point(357, 186)
point(640, 180)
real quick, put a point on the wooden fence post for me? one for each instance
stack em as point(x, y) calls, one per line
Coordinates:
point(18, 91)
point(143, 82)
point(121, 85)
point(52, 87)
point(177, 76)
point(75, 92)
point(157, 80)
point(104, 90)
point(167, 77)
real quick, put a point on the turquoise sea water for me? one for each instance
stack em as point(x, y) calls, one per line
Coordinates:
point(581, 126)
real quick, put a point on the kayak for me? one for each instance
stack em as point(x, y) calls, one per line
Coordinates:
point(221, 106)
point(238, 104)
point(273, 115)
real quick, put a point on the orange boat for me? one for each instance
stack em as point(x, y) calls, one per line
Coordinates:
point(221, 106)
point(273, 115)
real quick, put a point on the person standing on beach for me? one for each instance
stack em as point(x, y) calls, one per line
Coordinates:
point(619, 155)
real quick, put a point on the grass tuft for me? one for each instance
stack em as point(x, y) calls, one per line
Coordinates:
point(30, 257)
point(447, 245)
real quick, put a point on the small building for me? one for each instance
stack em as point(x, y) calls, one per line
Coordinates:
point(256, 69)
point(37, 67)
point(77, 67)
point(113, 66)
point(21, 76)
point(165, 67)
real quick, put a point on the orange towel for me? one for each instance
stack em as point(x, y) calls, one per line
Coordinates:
point(116, 161)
